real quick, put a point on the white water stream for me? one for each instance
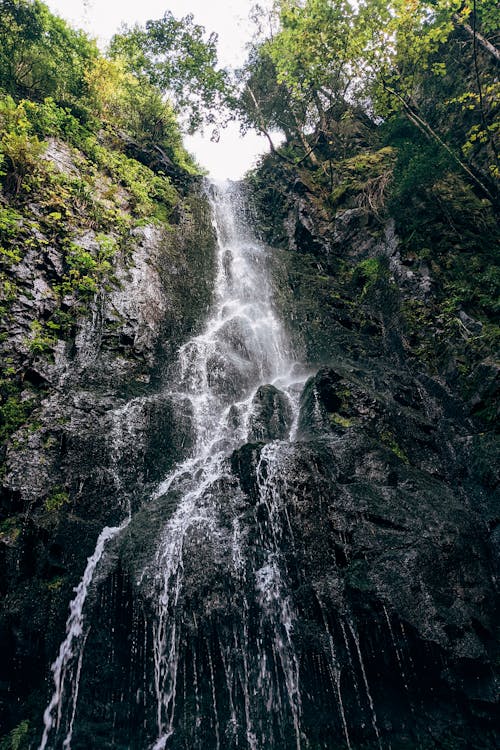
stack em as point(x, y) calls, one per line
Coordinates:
point(242, 346)
point(67, 667)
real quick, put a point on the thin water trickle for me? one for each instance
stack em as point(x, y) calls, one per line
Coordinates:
point(355, 638)
point(71, 649)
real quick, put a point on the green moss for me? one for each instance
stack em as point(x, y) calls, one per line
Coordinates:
point(10, 530)
point(56, 501)
point(389, 440)
point(55, 584)
point(18, 738)
point(340, 420)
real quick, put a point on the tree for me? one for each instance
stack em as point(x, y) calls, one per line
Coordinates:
point(265, 103)
point(295, 76)
point(40, 55)
point(314, 51)
point(420, 60)
point(176, 57)
point(424, 63)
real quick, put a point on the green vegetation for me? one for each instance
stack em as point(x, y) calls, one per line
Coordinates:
point(368, 272)
point(14, 411)
point(10, 531)
point(38, 342)
point(56, 500)
point(338, 419)
point(388, 110)
point(94, 144)
point(174, 56)
point(389, 440)
point(55, 584)
point(318, 59)
point(18, 739)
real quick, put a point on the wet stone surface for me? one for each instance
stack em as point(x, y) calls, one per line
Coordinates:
point(334, 591)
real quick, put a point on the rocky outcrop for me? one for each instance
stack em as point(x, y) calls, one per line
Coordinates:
point(271, 415)
point(360, 556)
point(389, 501)
point(389, 545)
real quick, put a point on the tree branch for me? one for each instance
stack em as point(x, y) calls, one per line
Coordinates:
point(478, 82)
point(488, 46)
point(262, 126)
point(429, 132)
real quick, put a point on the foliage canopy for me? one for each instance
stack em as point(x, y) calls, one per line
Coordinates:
point(433, 62)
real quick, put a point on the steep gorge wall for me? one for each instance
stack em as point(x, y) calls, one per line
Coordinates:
point(392, 493)
point(386, 502)
point(86, 429)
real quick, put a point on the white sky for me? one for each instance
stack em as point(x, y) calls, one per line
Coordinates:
point(232, 155)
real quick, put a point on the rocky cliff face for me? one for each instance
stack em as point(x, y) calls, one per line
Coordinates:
point(392, 490)
point(334, 591)
point(83, 371)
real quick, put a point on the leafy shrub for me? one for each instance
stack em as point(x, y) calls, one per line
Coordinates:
point(39, 342)
point(368, 272)
point(22, 167)
point(13, 411)
point(47, 118)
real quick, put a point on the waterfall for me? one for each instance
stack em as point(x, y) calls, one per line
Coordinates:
point(242, 346)
point(67, 666)
point(221, 665)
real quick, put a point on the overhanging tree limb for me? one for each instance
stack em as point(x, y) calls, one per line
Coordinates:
point(491, 140)
point(262, 126)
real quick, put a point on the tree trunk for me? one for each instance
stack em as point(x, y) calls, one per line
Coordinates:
point(485, 44)
point(430, 133)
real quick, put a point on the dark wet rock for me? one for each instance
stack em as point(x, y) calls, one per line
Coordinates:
point(398, 562)
point(392, 490)
point(244, 463)
point(382, 518)
point(319, 399)
point(484, 390)
point(271, 415)
point(99, 433)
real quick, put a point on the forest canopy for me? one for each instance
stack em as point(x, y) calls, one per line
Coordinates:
point(433, 63)
point(153, 82)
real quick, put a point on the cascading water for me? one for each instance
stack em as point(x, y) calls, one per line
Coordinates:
point(241, 347)
point(214, 661)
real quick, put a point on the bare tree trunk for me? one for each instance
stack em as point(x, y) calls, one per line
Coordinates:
point(430, 133)
point(309, 152)
point(262, 126)
point(485, 44)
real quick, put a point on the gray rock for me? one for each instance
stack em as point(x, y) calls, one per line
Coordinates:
point(271, 415)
